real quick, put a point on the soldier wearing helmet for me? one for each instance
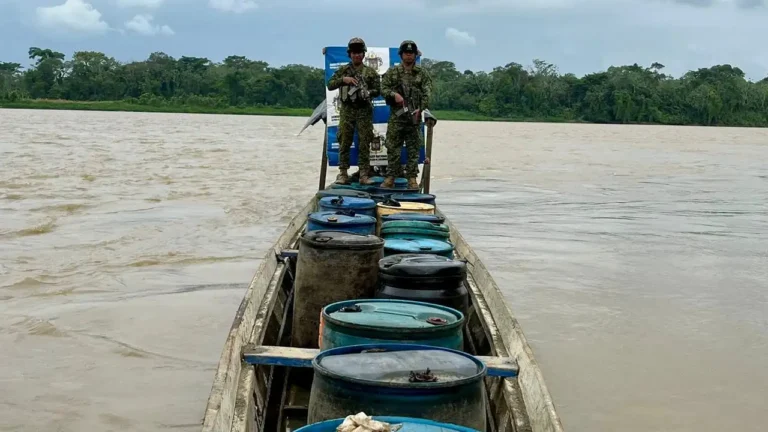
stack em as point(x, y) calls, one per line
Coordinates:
point(358, 85)
point(407, 89)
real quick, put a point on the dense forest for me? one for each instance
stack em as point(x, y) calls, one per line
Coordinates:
point(719, 95)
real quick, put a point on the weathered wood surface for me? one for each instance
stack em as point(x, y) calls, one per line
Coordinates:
point(538, 401)
point(220, 409)
point(302, 357)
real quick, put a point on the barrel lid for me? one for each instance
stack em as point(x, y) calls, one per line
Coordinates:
point(341, 219)
point(399, 365)
point(401, 182)
point(406, 205)
point(414, 216)
point(393, 314)
point(343, 192)
point(348, 202)
point(377, 179)
point(414, 224)
point(330, 239)
point(417, 246)
point(412, 197)
point(422, 265)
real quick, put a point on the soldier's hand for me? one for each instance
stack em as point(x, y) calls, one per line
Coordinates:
point(350, 81)
point(399, 99)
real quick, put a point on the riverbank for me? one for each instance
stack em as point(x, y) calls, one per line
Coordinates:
point(53, 104)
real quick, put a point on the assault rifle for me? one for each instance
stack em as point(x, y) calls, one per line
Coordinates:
point(409, 105)
point(360, 90)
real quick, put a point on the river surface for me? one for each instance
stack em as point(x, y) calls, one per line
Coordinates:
point(635, 258)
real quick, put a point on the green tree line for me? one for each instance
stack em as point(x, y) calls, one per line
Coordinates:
point(719, 95)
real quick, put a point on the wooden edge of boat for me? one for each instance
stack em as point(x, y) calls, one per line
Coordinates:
point(247, 327)
point(524, 402)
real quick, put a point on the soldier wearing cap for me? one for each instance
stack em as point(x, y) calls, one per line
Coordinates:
point(407, 88)
point(358, 85)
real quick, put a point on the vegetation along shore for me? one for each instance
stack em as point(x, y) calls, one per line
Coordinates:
point(718, 95)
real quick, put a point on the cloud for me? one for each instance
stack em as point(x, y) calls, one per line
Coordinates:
point(152, 4)
point(459, 38)
point(742, 4)
point(236, 6)
point(75, 15)
point(142, 24)
point(750, 4)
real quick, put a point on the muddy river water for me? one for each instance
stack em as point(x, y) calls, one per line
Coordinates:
point(635, 258)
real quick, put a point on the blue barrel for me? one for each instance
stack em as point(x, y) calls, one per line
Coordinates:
point(406, 380)
point(417, 246)
point(339, 221)
point(365, 206)
point(414, 216)
point(389, 191)
point(401, 183)
point(353, 186)
point(409, 424)
point(414, 197)
point(356, 322)
point(342, 192)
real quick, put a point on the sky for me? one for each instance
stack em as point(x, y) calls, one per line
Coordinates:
point(578, 36)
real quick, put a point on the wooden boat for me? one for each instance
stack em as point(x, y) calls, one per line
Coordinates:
point(270, 397)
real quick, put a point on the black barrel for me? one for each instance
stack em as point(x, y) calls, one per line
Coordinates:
point(426, 278)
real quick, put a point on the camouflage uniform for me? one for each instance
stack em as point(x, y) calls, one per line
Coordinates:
point(415, 86)
point(355, 113)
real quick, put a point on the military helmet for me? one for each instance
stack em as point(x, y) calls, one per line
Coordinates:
point(356, 44)
point(408, 46)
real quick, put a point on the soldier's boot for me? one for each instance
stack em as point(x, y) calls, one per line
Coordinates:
point(343, 177)
point(365, 180)
point(412, 184)
point(389, 183)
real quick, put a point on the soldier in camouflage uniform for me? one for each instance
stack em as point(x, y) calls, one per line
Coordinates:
point(407, 88)
point(359, 85)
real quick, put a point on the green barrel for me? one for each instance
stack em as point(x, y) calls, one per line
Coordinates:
point(358, 322)
point(414, 230)
point(421, 381)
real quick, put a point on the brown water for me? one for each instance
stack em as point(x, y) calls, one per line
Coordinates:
point(636, 259)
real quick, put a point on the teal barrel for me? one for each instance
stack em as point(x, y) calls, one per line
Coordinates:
point(414, 197)
point(409, 424)
point(365, 206)
point(414, 216)
point(420, 381)
point(342, 192)
point(417, 246)
point(358, 322)
point(424, 278)
point(388, 192)
point(401, 183)
point(341, 221)
point(414, 230)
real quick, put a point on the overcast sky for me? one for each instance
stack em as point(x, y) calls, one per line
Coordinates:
point(579, 36)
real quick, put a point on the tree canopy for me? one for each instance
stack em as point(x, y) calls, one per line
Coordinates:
point(718, 95)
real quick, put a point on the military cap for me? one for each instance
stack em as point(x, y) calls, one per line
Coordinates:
point(357, 43)
point(408, 46)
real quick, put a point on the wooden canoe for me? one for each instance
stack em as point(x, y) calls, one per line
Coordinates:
point(255, 398)
point(273, 397)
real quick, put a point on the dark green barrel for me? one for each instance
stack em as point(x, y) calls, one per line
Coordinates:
point(332, 266)
point(406, 380)
point(358, 322)
point(424, 278)
point(414, 229)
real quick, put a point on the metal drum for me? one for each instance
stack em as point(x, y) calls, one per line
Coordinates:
point(407, 380)
point(356, 322)
point(332, 266)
